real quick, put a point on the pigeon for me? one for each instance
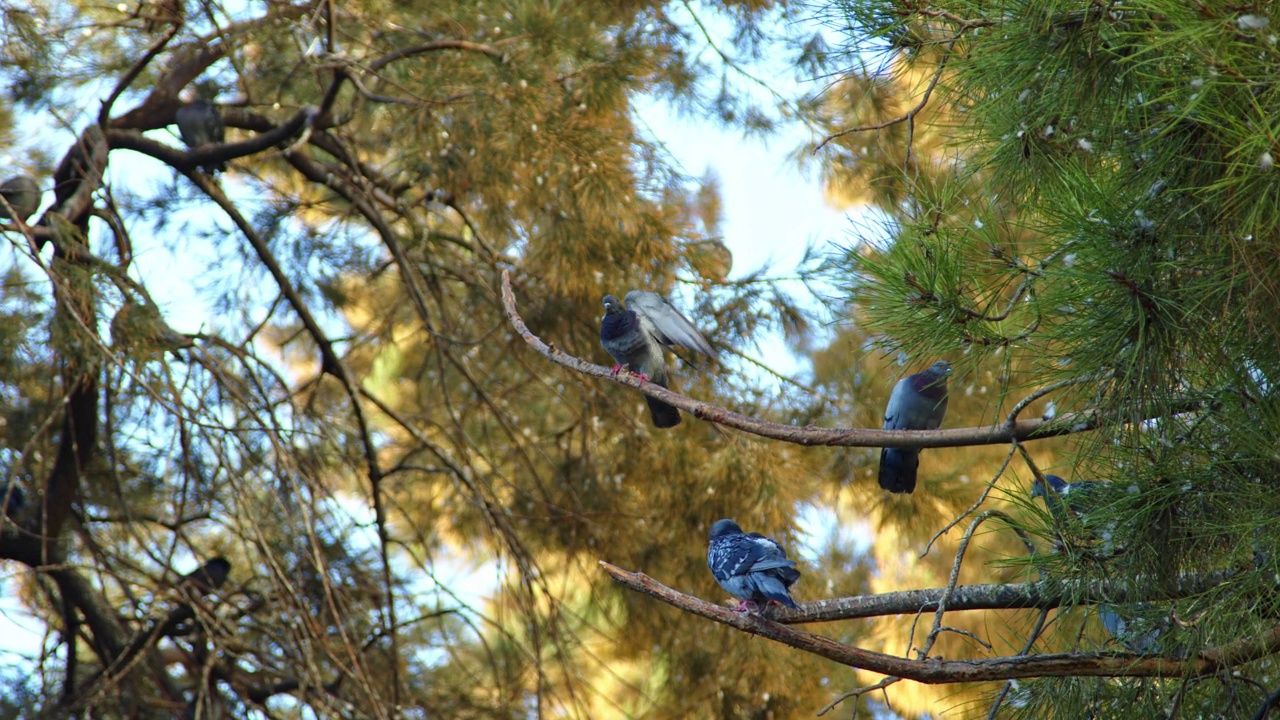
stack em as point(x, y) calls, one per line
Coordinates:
point(208, 577)
point(200, 124)
point(1074, 509)
point(12, 500)
point(1065, 495)
point(918, 402)
point(750, 567)
point(1128, 631)
point(23, 194)
point(634, 336)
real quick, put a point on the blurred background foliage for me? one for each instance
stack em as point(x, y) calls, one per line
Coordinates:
point(1054, 196)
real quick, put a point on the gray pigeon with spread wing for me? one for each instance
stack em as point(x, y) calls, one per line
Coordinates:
point(635, 336)
point(23, 195)
point(918, 402)
point(200, 124)
point(751, 567)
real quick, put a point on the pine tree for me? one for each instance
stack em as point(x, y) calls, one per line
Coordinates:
point(412, 508)
point(1082, 196)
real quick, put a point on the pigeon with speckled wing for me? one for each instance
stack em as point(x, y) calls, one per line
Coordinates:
point(200, 124)
point(635, 335)
point(751, 567)
point(918, 402)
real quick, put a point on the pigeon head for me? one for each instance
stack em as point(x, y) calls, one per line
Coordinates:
point(612, 305)
point(932, 382)
point(723, 528)
point(1038, 490)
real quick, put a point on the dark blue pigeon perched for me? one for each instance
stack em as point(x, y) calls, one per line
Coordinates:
point(200, 123)
point(918, 402)
point(635, 336)
point(750, 567)
point(23, 195)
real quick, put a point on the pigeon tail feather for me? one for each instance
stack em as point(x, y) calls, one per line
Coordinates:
point(663, 414)
point(788, 575)
point(898, 469)
point(783, 599)
point(770, 587)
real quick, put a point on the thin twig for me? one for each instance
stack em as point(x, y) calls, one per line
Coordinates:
point(1271, 702)
point(977, 504)
point(464, 45)
point(858, 692)
point(1034, 396)
point(1031, 641)
point(908, 117)
point(954, 579)
point(104, 113)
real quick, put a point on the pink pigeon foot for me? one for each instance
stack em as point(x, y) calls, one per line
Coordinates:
point(616, 369)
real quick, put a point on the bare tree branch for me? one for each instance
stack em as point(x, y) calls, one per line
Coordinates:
point(188, 160)
point(1044, 594)
point(937, 670)
point(812, 435)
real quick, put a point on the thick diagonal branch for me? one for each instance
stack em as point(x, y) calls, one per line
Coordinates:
point(1021, 430)
point(929, 670)
point(1045, 594)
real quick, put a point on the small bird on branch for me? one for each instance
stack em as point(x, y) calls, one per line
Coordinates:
point(635, 336)
point(751, 567)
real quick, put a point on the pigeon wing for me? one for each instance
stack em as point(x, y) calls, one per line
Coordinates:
point(764, 554)
point(896, 411)
point(1082, 496)
point(771, 554)
point(724, 557)
point(666, 323)
point(740, 555)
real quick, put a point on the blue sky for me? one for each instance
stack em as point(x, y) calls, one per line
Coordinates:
point(772, 211)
